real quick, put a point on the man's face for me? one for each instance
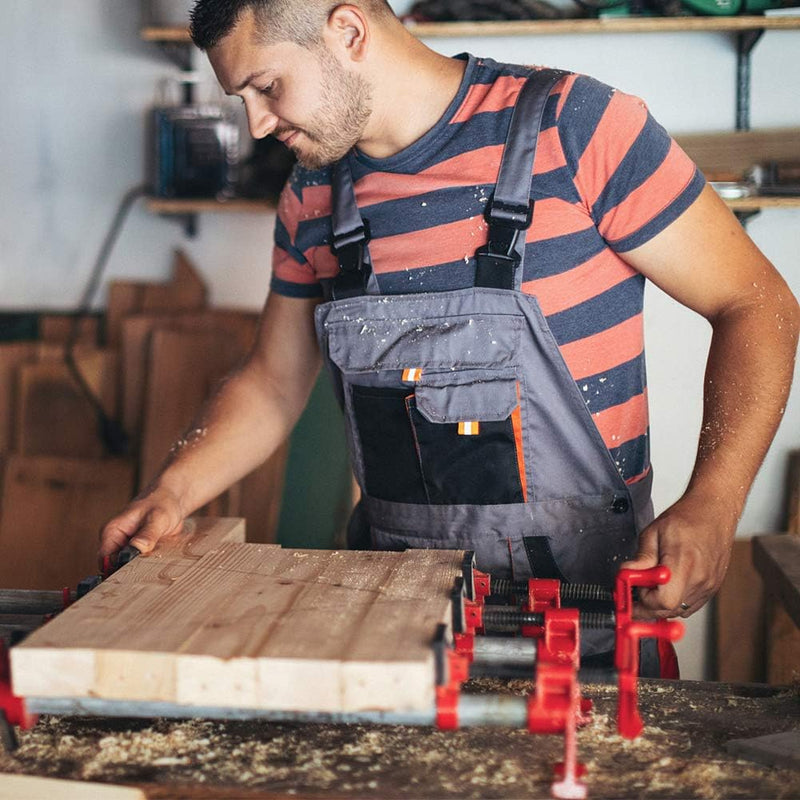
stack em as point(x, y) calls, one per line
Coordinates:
point(304, 97)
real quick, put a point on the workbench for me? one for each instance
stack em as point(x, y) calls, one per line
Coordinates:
point(681, 753)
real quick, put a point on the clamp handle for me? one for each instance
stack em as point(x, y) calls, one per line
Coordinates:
point(628, 634)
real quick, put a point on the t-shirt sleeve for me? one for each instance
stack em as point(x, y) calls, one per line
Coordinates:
point(292, 273)
point(631, 175)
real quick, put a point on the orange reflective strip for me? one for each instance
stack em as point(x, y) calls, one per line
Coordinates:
point(516, 424)
point(412, 374)
point(468, 428)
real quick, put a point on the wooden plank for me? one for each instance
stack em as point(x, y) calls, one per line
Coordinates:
point(728, 155)
point(185, 368)
point(29, 787)
point(55, 416)
point(50, 515)
point(775, 750)
point(793, 492)
point(136, 333)
point(12, 356)
point(739, 617)
point(60, 328)
point(185, 292)
point(250, 625)
point(777, 558)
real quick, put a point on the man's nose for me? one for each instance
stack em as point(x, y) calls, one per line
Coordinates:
point(261, 121)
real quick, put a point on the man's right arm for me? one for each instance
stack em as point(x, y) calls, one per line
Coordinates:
point(244, 422)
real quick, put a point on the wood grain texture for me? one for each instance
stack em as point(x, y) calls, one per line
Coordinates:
point(63, 327)
point(54, 415)
point(185, 292)
point(50, 516)
point(12, 356)
point(728, 155)
point(135, 346)
point(250, 625)
point(739, 620)
point(27, 787)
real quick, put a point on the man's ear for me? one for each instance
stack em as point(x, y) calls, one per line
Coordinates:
point(347, 31)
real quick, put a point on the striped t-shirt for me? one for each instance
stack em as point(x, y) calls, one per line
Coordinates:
point(606, 178)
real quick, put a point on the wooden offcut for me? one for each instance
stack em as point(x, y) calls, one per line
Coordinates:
point(185, 292)
point(51, 513)
point(29, 787)
point(208, 621)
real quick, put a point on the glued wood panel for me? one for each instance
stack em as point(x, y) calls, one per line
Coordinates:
point(251, 625)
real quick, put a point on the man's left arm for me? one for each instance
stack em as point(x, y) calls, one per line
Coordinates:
point(706, 261)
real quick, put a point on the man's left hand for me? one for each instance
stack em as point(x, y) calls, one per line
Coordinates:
point(694, 540)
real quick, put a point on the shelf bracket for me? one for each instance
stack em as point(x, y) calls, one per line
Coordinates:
point(745, 216)
point(746, 41)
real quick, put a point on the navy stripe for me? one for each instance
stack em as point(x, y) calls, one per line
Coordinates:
point(284, 241)
point(604, 311)
point(287, 289)
point(614, 386)
point(439, 278)
point(665, 218)
point(644, 157)
point(632, 457)
point(582, 111)
point(315, 232)
point(560, 254)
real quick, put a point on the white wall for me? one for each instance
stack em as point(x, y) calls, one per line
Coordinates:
point(76, 83)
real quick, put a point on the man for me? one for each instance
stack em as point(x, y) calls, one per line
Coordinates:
point(510, 418)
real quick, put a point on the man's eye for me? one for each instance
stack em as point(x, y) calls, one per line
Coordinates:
point(268, 89)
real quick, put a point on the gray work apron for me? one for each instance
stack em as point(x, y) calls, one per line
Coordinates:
point(465, 427)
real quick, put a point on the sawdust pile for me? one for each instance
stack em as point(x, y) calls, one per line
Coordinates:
point(681, 753)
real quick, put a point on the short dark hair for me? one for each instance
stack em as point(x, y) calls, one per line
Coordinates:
point(298, 21)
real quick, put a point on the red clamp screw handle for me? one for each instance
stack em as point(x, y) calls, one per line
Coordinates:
point(628, 634)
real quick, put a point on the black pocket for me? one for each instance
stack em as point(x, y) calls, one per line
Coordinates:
point(390, 460)
point(467, 469)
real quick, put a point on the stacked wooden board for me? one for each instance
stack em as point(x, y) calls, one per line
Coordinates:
point(210, 621)
point(163, 354)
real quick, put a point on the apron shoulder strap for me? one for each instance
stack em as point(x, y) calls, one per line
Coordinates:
point(510, 209)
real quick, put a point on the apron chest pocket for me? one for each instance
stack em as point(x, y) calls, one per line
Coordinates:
point(453, 439)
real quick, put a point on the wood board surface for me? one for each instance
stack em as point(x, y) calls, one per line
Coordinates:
point(12, 356)
point(209, 621)
point(28, 787)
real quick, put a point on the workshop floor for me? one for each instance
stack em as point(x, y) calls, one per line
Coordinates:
point(681, 753)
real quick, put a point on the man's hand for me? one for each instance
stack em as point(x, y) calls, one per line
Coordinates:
point(694, 540)
point(147, 519)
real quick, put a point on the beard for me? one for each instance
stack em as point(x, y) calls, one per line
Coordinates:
point(339, 119)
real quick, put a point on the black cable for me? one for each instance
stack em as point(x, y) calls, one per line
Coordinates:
point(114, 438)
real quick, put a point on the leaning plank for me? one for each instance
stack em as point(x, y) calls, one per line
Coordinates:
point(249, 625)
point(29, 787)
point(12, 356)
point(50, 515)
point(777, 557)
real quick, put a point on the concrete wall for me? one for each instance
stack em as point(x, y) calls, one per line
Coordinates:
point(77, 81)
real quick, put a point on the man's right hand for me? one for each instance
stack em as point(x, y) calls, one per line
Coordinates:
point(147, 519)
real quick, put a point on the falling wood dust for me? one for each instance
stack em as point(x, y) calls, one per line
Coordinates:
point(681, 753)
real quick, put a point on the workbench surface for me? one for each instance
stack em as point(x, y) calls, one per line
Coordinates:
point(681, 753)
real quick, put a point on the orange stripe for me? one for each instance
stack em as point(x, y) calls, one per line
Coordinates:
point(286, 268)
point(516, 424)
point(323, 261)
point(378, 187)
point(567, 289)
point(565, 87)
point(617, 130)
point(620, 424)
point(451, 242)
point(289, 208)
point(549, 153)
point(605, 350)
point(489, 97)
point(648, 200)
point(556, 217)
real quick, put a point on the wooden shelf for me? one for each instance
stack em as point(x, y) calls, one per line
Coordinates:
point(557, 27)
point(164, 205)
point(158, 205)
